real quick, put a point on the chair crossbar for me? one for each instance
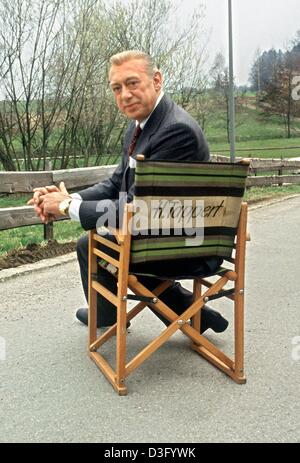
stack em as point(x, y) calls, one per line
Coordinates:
point(130, 315)
point(226, 293)
point(105, 292)
point(106, 257)
point(200, 340)
point(177, 322)
point(151, 348)
point(109, 373)
point(132, 297)
point(226, 366)
point(208, 284)
point(109, 333)
point(106, 242)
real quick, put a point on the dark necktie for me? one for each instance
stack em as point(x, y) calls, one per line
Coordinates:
point(136, 135)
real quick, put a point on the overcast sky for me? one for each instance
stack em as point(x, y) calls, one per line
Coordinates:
point(256, 24)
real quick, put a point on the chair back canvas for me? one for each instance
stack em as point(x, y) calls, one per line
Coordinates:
point(185, 209)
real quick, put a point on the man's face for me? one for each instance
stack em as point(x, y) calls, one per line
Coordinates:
point(134, 90)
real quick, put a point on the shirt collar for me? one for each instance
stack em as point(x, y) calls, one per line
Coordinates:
point(143, 123)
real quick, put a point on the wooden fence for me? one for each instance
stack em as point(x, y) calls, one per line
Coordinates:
point(24, 182)
point(285, 172)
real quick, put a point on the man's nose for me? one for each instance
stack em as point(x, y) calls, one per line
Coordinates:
point(126, 93)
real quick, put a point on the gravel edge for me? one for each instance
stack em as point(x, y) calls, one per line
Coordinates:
point(13, 272)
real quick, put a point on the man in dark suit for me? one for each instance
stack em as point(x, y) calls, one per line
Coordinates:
point(160, 130)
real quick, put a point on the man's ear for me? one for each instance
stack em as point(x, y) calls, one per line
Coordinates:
point(157, 80)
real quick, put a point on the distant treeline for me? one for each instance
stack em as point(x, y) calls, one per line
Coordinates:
point(275, 76)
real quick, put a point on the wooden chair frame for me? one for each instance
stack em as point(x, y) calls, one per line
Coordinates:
point(233, 367)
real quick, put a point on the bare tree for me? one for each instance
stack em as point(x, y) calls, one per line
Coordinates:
point(277, 97)
point(151, 26)
point(27, 35)
point(54, 54)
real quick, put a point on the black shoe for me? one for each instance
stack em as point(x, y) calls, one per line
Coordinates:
point(82, 316)
point(180, 298)
point(212, 319)
point(209, 317)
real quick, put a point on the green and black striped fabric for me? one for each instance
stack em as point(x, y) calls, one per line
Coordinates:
point(185, 210)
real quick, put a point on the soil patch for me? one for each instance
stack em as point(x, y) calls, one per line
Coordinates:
point(35, 252)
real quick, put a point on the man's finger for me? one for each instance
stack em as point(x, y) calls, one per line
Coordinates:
point(37, 197)
point(45, 189)
point(38, 211)
point(40, 190)
point(51, 188)
point(63, 188)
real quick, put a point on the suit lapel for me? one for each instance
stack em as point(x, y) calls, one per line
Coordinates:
point(150, 128)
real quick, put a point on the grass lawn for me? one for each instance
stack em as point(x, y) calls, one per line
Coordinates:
point(281, 143)
point(249, 126)
point(19, 237)
point(259, 194)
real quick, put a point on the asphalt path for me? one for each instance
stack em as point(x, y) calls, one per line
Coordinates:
point(51, 391)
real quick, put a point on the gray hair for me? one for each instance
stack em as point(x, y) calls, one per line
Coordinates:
point(124, 56)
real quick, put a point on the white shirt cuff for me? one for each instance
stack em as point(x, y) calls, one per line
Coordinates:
point(75, 206)
point(76, 196)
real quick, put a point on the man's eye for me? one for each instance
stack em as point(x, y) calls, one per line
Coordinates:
point(132, 84)
point(116, 89)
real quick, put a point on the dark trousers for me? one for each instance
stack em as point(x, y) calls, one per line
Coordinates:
point(177, 297)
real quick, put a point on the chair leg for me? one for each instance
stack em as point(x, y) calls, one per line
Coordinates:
point(196, 319)
point(92, 296)
point(122, 314)
point(121, 348)
point(239, 297)
point(234, 368)
point(239, 336)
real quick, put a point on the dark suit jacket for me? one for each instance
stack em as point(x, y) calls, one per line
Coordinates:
point(169, 134)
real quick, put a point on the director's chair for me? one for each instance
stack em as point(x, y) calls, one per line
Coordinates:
point(207, 197)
